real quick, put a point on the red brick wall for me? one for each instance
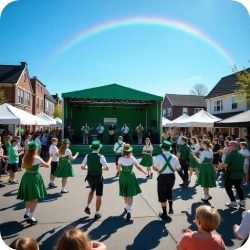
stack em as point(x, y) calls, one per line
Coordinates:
point(37, 93)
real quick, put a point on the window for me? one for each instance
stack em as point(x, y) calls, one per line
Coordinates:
point(37, 103)
point(169, 112)
point(234, 102)
point(27, 99)
point(184, 110)
point(218, 105)
point(20, 95)
point(41, 106)
point(196, 110)
point(46, 106)
point(163, 112)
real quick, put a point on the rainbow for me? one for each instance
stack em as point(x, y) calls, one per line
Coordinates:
point(141, 20)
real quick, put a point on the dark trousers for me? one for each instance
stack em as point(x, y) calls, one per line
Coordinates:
point(111, 139)
point(100, 137)
point(44, 150)
point(184, 171)
point(229, 183)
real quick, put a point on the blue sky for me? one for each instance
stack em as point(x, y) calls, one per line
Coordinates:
point(173, 45)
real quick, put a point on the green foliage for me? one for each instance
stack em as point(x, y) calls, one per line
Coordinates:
point(243, 81)
point(58, 111)
point(3, 98)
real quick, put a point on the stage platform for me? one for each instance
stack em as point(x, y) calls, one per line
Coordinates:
point(109, 149)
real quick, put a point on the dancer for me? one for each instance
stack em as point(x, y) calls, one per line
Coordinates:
point(216, 155)
point(95, 163)
point(64, 169)
point(147, 159)
point(118, 153)
point(55, 161)
point(194, 165)
point(128, 184)
point(85, 134)
point(166, 164)
point(206, 174)
point(139, 131)
point(32, 186)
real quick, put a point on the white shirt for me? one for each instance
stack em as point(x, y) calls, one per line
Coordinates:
point(244, 228)
point(54, 150)
point(100, 129)
point(38, 141)
point(36, 161)
point(245, 152)
point(124, 161)
point(150, 148)
point(118, 150)
point(205, 154)
point(160, 162)
point(224, 153)
point(196, 148)
point(179, 140)
point(67, 152)
point(26, 143)
point(102, 160)
point(125, 129)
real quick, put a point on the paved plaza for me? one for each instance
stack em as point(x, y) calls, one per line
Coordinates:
point(144, 231)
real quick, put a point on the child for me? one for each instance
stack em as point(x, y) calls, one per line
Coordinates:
point(194, 165)
point(118, 153)
point(207, 219)
point(216, 155)
point(246, 153)
point(147, 159)
point(55, 161)
point(64, 169)
point(2, 157)
point(24, 243)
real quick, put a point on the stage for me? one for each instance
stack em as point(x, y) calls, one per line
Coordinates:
point(109, 149)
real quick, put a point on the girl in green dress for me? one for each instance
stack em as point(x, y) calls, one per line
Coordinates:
point(128, 184)
point(64, 169)
point(147, 159)
point(194, 165)
point(206, 174)
point(32, 186)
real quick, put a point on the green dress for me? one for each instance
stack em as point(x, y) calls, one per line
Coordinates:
point(147, 159)
point(128, 183)
point(64, 169)
point(32, 185)
point(193, 163)
point(206, 174)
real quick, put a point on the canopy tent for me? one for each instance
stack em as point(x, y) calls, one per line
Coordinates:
point(173, 123)
point(12, 115)
point(46, 118)
point(200, 119)
point(164, 121)
point(240, 120)
point(58, 121)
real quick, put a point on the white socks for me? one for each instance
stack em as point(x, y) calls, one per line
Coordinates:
point(88, 206)
point(63, 189)
point(31, 216)
point(27, 212)
point(129, 209)
point(96, 212)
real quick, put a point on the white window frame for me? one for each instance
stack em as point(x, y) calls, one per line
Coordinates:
point(183, 110)
point(27, 99)
point(20, 95)
point(218, 106)
point(169, 112)
point(234, 102)
point(163, 112)
point(196, 110)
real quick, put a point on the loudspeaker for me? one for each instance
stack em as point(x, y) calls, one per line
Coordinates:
point(153, 123)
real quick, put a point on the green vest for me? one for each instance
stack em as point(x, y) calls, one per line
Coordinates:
point(184, 150)
point(94, 165)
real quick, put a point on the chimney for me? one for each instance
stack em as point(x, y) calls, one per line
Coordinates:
point(34, 77)
point(23, 64)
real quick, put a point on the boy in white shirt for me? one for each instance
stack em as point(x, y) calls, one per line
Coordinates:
point(55, 161)
point(246, 153)
point(118, 147)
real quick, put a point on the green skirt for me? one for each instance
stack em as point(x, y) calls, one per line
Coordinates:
point(206, 176)
point(31, 187)
point(128, 184)
point(64, 169)
point(193, 163)
point(147, 161)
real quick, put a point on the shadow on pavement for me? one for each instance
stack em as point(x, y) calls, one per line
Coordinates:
point(18, 206)
point(11, 193)
point(149, 237)
point(11, 229)
point(110, 180)
point(185, 193)
point(51, 197)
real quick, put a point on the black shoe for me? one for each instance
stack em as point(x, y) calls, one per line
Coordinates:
point(64, 192)
point(117, 174)
point(204, 200)
point(52, 185)
point(147, 176)
point(163, 216)
point(2, 185)
point(171, 211)
point(98, 216)
point(87, 210)
point(125, 209)
point(128, 216)
point(26, 216)
point(210, 198)
point(151, 176)
point(14, 182)
point(32, 222)
point(183, 184)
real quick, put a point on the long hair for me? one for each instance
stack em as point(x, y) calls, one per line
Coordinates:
point(73, 239)
point(29, 158)
point(24, 243)
point(62, 149)
point(127, 153)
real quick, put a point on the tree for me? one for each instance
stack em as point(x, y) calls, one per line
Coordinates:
point(199, 89)
point(3, 98)
point(243, 81)
point(58, 111)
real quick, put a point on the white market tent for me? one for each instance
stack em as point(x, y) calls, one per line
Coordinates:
point(58, 121)
point(173, 123)
point(12, 115)
point(46, 118)
point(164, 121)
point(200, 119)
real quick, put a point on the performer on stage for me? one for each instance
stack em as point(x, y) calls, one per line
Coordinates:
point(111, 131)
point(32, 186)
point(139, 131)
point(95, 163)
point(125, 130)
point(128, 184)
point(118, 147)
point(85, 133)
point(147, 159)
point(100, 130)
point(64, 169)
point(166, 164)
